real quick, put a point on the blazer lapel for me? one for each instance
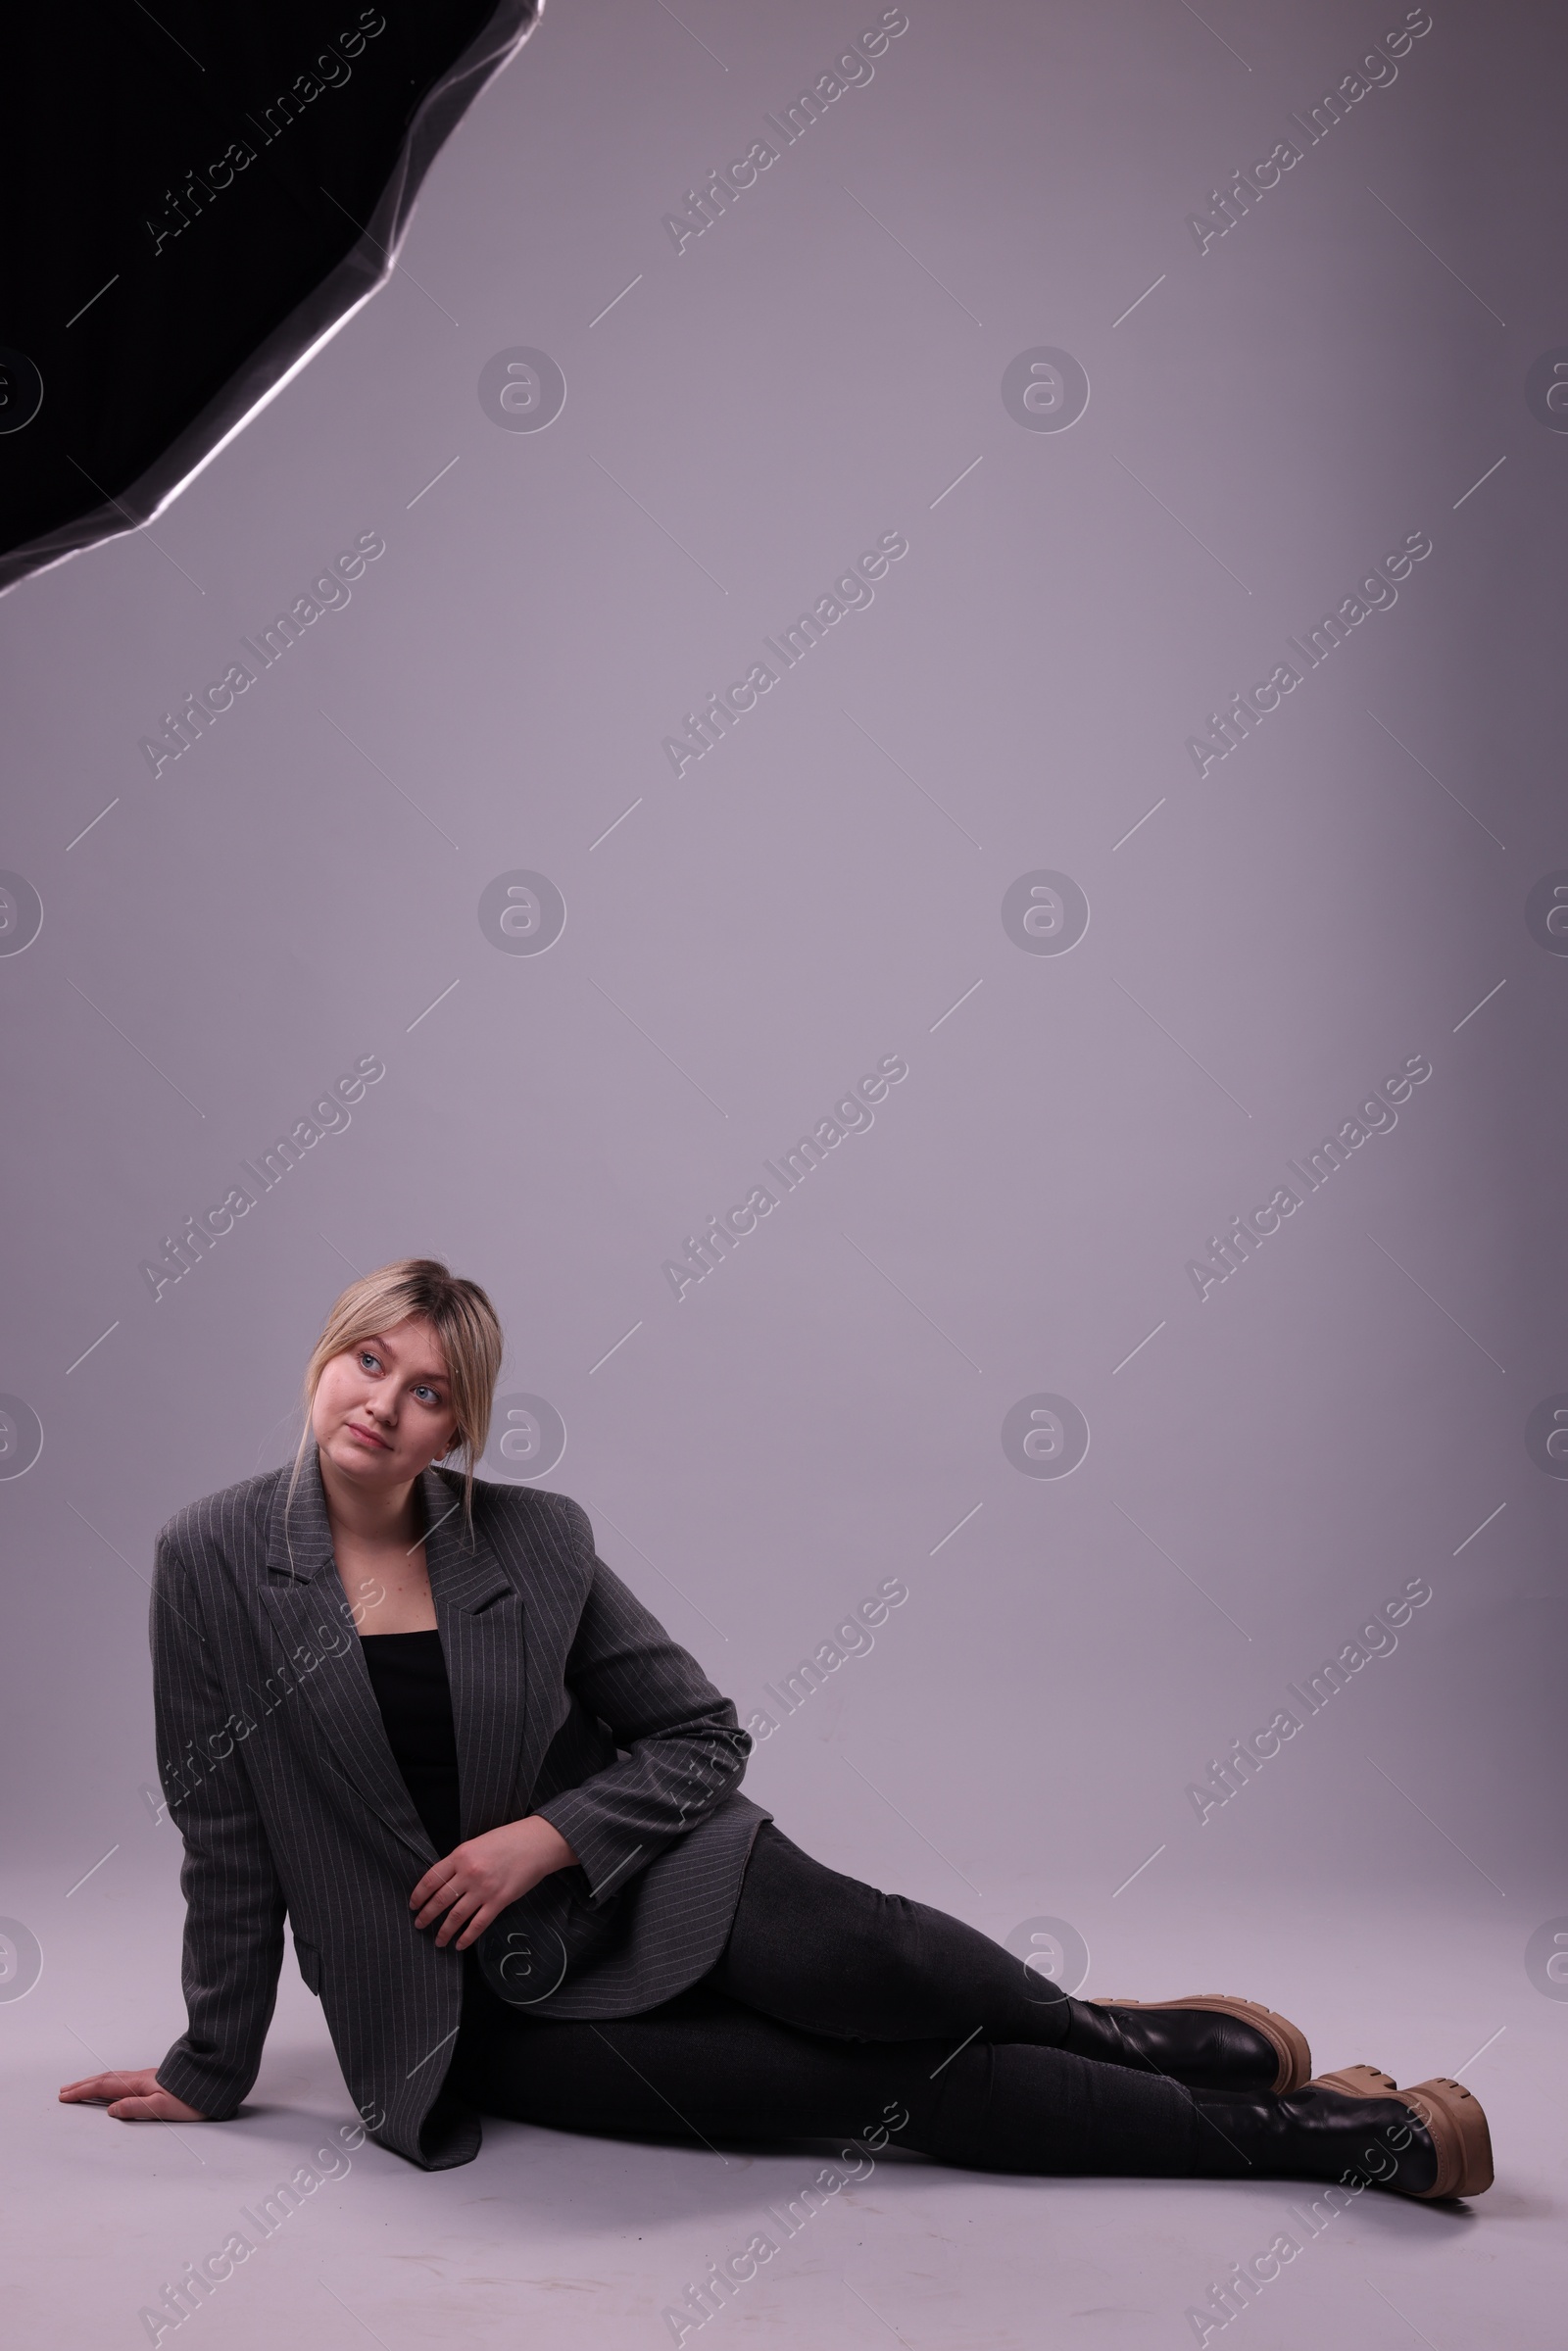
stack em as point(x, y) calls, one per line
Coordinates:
point(479, 1612)
point(479, 1615)
point(305, 1600)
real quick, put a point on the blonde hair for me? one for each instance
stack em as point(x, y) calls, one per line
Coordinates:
point(464, 1320)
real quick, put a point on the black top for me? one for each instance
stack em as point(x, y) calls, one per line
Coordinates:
point(408, 1674)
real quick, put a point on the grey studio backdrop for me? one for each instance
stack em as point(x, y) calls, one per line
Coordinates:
point(1068, 370)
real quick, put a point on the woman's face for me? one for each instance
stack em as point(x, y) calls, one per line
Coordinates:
point(382, 1410)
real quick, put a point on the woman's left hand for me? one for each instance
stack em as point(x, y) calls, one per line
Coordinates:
point(484, 1874)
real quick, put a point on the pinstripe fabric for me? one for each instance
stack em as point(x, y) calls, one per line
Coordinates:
point(568, 1699)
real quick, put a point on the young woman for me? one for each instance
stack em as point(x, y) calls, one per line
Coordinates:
point(415, 1715)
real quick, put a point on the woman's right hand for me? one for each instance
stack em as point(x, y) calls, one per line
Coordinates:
point(131, 2097)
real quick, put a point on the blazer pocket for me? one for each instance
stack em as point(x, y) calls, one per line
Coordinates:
point(309, 1960)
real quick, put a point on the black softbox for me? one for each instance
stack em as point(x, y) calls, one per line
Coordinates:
point(200, 197)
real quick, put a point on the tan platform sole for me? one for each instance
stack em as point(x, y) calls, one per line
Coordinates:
point(1287, 2040)
point(1452, 2114)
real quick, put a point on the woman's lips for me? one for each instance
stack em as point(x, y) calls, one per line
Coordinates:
point(367, 1436)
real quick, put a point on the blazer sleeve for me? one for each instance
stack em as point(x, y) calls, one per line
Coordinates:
point(234, 1905)
point(685, 1749)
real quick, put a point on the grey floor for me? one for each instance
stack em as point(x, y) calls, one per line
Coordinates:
point(551, 2238)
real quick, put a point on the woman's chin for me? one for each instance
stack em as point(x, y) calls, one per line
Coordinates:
point(357, 1459)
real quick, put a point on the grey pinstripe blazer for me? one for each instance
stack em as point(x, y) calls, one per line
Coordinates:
point(569, 1699)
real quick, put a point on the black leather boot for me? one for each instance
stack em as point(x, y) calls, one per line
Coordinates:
point(1209, 2041)
point(1353, 2126)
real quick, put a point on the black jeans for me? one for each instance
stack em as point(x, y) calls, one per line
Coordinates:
point(836, 2011)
